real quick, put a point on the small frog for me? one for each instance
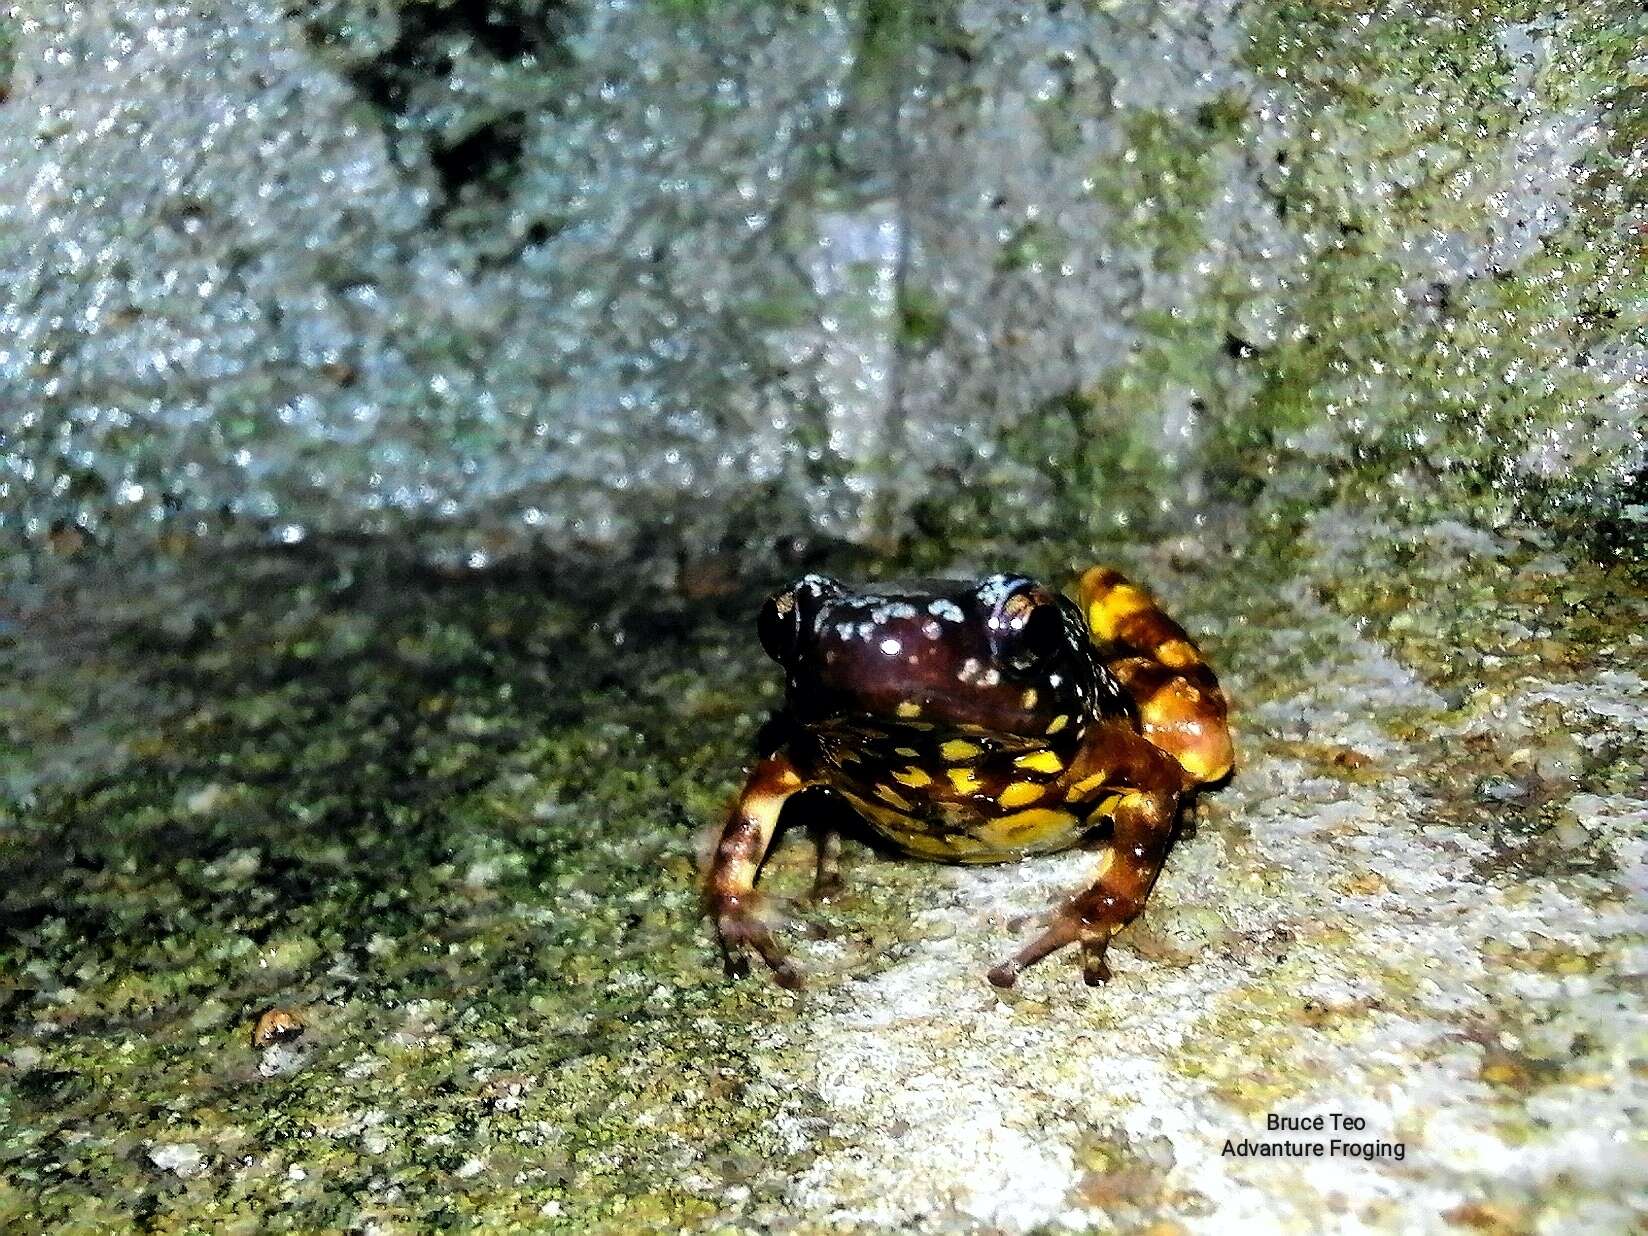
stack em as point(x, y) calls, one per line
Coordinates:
point(979, 723)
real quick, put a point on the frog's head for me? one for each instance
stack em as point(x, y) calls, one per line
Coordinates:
point(1004, 655)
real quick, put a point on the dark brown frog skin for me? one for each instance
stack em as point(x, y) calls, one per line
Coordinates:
point(979, 722)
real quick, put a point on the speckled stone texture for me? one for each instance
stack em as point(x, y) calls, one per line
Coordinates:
point(404, 406)
point(454, 831)
point(621, 278)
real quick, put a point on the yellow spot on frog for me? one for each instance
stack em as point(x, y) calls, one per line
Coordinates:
point(913, 777)
point(1020, 793)
point(1084, 787)
point(1029, 698)
point(1040, 761)
point(1035, 829)
point(959, 749)
point(1108, 610)
point(1204, 767)
point(965, 780)
point(908, 708)
point(1178, 654)
point(1058, 723)
point(889, 795)
point(908, 753)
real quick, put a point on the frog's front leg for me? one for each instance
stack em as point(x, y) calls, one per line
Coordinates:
point(1143, 821)
point(729, 890)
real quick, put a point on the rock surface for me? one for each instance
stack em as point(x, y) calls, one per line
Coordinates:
point(1324, 319)
point(455, 831)
point(625, 279)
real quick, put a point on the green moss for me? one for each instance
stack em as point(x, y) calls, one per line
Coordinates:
point(891, 32)
point(1165, 180)
point(1097, 454)
point(1436, 396)
point(1380, 376)
point(921, 319)
point(434, 824)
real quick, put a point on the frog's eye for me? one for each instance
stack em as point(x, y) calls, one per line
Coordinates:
point(788, 614)
point(1027, 627)
point(779, 625)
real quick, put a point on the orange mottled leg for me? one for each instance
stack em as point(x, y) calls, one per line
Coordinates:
point(729, 889)
point(1142, 819)
point(1128, 870)
point(1182, 709)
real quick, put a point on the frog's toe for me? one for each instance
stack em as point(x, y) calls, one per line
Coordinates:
point(1065, 929)
point(1095, 970)
point(1004, 975)
point(742, 931)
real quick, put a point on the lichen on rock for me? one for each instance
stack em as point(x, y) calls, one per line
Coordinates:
point(1320, 319)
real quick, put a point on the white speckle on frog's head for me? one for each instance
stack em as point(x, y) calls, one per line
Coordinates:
point(932, 630)
point(992, 591)
point(888, 610)
point(891, 647)
point(949, 611)
point(969, 670)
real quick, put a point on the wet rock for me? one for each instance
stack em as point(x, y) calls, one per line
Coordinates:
point(635, 282)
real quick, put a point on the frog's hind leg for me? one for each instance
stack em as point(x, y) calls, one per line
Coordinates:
point(1182, 708)
point(729, 889)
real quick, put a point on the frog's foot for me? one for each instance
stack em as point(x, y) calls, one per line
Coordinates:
point(1068, 927)
point(827, 880)
point(742, 930)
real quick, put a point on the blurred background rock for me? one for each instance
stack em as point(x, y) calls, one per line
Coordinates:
point(660, 282)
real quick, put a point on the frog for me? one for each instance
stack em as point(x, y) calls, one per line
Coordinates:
point(977, 721)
